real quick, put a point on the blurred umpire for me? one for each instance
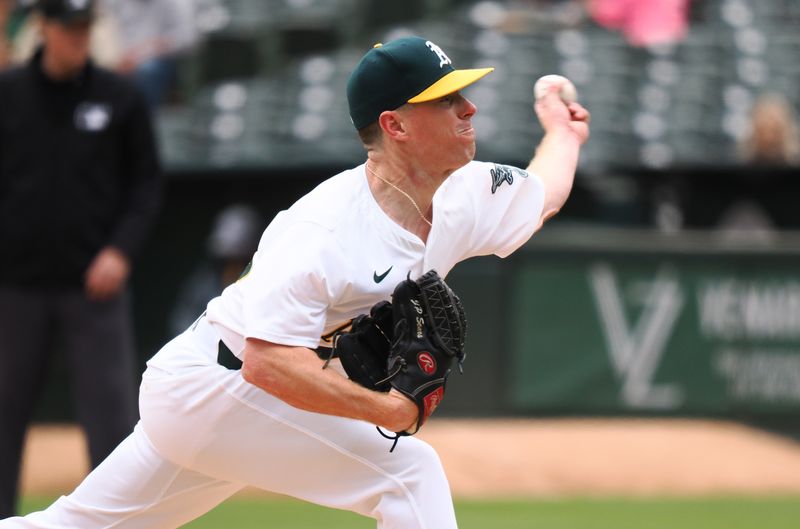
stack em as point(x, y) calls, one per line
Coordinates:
point(79, 188)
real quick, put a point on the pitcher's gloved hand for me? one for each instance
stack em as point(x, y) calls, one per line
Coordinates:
point(410, 344)
point(429, 332)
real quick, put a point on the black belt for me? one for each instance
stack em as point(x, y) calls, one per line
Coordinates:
point(226, 358)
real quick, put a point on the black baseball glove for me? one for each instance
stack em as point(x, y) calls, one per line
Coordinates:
point(429, 332)
point(410, 344)
point(364, 349)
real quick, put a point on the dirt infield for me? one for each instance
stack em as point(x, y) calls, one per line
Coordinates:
point(541, 458)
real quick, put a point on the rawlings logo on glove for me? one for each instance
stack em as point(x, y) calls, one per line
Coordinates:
point(426, 362)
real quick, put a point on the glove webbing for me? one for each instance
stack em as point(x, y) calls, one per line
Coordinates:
point(447, 314)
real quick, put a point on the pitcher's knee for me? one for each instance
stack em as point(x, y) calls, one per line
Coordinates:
point(419, 496)
point(422, 466)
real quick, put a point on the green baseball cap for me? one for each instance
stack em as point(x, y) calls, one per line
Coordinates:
point(405, 70)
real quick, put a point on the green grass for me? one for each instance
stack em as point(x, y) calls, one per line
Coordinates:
point(702, 513)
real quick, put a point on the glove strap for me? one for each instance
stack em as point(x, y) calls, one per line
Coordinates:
point(396, 437)
point(400, 365)
point(333, 349)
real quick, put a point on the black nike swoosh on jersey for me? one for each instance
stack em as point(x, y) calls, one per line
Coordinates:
point(378, 278)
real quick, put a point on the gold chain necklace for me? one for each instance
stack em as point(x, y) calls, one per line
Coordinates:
point(382, 179)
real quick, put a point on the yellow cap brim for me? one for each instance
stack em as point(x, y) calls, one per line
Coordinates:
point(452, 82)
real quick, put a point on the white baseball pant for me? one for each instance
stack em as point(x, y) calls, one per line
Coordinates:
point(205, 434)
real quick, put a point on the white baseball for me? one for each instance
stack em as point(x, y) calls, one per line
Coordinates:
point(568, 93)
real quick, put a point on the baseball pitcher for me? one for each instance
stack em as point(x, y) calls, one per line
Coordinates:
point(342, 323)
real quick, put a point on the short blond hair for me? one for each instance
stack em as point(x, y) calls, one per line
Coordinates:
point(370, 135)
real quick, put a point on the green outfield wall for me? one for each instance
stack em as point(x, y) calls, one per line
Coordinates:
point(586, 320)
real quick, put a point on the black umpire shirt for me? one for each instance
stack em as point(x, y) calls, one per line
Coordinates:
point(79, 170)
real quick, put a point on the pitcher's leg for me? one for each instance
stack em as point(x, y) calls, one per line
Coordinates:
point(134, 488)
point(242, 434)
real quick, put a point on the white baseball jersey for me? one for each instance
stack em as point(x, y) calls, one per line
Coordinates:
point(335, 253)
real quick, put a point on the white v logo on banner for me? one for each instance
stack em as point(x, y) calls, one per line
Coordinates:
point(636, 350)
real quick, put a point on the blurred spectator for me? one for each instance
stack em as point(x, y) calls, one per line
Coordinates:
point(79, 189)
point(772, 138)
point(771, 141)
point(643, 22)
point(153, 36)
point(233, 241)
